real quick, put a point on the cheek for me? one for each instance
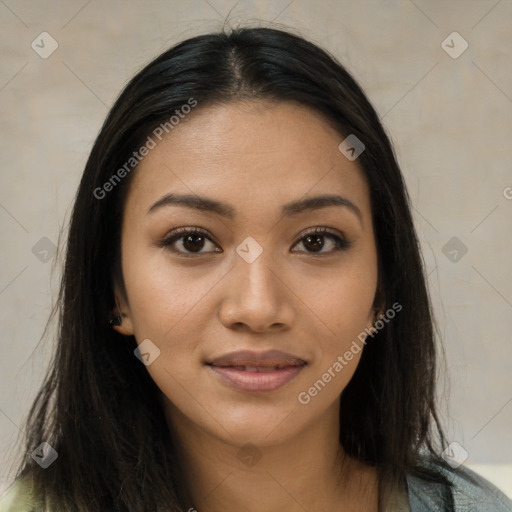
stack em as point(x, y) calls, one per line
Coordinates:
point(345, 310)
point(161, 295)
point(341, 305)
point(350, 307)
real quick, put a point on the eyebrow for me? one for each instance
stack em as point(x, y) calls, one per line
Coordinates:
point(226, 210)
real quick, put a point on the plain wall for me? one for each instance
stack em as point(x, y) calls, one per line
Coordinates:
point(450, 119)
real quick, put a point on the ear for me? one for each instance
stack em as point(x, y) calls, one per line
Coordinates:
point(379, 303)
point(122, 312)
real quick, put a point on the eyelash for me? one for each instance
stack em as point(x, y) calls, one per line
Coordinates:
point(341, 243)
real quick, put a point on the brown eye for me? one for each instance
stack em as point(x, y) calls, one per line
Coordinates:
point(193, 243)
point(315, 241)
point(189, 241)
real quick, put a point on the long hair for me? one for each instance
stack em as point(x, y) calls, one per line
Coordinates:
point(99, 408)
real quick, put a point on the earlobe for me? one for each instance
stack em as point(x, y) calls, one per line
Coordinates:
point(379, 307)
point(122, 331)
point(376, 317)
point(120, 320)
point(122, 324)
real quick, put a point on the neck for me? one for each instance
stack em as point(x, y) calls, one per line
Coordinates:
point(309, 471)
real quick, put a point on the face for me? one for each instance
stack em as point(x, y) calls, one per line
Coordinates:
point(250, 288)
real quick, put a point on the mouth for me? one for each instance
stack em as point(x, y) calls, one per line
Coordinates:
point(253, 372)
point(258, 369)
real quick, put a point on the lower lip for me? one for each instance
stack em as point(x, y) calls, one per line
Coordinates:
point(256, 381)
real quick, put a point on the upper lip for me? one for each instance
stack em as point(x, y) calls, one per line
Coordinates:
point(257, 359)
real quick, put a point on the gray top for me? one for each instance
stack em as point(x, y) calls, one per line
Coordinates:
point(419, 496)
point(464, 496)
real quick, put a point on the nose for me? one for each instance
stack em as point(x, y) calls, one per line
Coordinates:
point(256, 297)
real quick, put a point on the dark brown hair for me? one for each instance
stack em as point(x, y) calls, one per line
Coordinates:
point(99, 407)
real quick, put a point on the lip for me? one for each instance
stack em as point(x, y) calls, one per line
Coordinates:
point(257, 372)
point(257, 381)
point(263, 359)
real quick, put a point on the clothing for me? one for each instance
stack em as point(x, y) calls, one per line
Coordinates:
point(420, 496)
point(464, 496)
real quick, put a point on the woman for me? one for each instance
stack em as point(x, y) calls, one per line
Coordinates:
point(244, 319)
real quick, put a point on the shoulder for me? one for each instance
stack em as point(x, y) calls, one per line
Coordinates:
point(469, 493)
point(479, 494)
point(19, 497)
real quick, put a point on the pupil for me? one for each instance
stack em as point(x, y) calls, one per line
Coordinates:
point(315, 241)
point(190, 245)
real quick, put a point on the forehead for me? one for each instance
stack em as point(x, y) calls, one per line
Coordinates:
point(251, 154)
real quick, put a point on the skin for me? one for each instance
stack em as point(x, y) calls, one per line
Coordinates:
point(256, 156)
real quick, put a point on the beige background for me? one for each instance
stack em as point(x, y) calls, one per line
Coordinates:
point(450, 118)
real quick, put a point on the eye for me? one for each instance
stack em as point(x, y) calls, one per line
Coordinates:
point(195, 240)
point(189, 240)
point(314, 242)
